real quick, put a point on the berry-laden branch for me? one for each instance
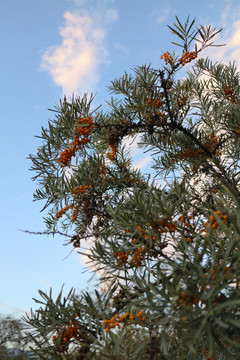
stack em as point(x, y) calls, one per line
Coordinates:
point(166, 250)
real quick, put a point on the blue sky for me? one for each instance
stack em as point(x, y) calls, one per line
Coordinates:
point(55, 47)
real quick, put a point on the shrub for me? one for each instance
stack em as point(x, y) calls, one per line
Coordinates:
point(165, 243)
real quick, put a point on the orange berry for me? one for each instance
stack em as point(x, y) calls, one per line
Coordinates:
point(140, 313)
point(131, 316)
point(214, 225)
point(211, 218)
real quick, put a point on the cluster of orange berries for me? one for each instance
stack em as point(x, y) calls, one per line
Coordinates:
point(122, 257)
point(187, 298)
point(66, 156)
point(153, 102)
point(76, 191)
point(188, 57)
point(159, 226)
point(153, 116)
point(81, 189)
point(69, 332)
point(167, 58)
point(164, 225)
point(185, 220)
point(143, 234)
point(75, 213)
point(213, 275)
point(181, 102)
point(206, 354)
point(137, 181)
point(212, 143)
point(62, 211)
point(200, 153)
point(117, 319)
point(167, 224)
point(190, 154)
point(230, 94)
point(112, 155)
point(136, 257)
point(83, 129)
point(213, 223)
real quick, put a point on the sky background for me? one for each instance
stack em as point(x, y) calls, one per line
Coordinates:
point(54, 47)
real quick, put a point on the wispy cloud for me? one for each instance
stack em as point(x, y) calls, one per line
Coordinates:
point(230, 36)
point(234, 43)
point(145, 161)
point(164, 15)
point(140, 159)
point(45, 282)
point(16, 310)
point(121, 48)
point(74, 64)
point(111, 15)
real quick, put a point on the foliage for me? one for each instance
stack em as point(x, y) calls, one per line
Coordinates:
point(11, 339)
point(165, 243)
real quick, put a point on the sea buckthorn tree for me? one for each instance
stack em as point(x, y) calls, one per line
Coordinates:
point(166, 244)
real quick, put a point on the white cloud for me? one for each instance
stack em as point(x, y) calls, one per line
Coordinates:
point(121, 48)
point(230, 35)
point(235, 40)
point(164, 15)
point(145, 161)
point(45, 282)
point(234, 43)
point(79, 2)
point(89, 3)
point(15, 310)
point(111, 16)
point(228, 53)
point(131, 143)
point(74, 64)
point(227, 13)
